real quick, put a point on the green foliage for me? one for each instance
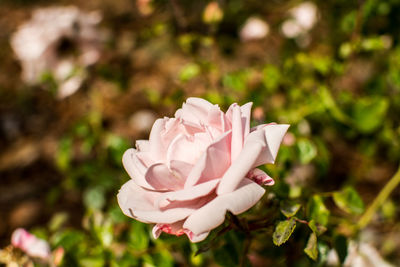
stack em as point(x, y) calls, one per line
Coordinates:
point(290, 209)
point(349, 200)
point(337, 85)
point(317, 210)
point(368, 113)
point(283, 231)
point(312, 249)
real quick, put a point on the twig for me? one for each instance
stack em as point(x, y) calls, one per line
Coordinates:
point(379, 200)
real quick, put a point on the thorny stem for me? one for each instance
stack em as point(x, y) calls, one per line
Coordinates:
point(379, 200)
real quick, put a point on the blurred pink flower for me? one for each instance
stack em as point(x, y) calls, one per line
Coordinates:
point(60, 41)
point(30, 244)
point(197, 166)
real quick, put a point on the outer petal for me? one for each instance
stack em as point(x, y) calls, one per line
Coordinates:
point(274, 134)
point(261, 147)
point(213, 163)
point(177, 229)
point(143, 145)
point(260, 177)
point(212, 214)
point(139, 204)
point(135, 168)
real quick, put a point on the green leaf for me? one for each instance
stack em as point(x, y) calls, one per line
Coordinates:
point(349, 200)
point(311, 249)
point(290, 209)
point(271, 77)
point(138, 236)
point(369, 113)
point(340, 244)
point(316, 227)
point(94, 198)
point(283, 231)
point(189, 72)
point(317, 211)
point(307, 150)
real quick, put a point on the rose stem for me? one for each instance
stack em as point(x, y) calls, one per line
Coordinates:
point(379, 200)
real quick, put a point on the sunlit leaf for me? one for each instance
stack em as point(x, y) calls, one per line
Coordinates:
point(349, 200)
point(369, 113)
point(316, 227)
point(317, 210)
point(311, 249)
point(290, 209)
point(283, 231)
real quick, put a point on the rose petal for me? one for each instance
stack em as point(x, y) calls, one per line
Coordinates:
point(274, 134)
point(139, 204)
point(190, 193)
point(194, 110)
point(246, 114)
point(178, 230)
point(135, 168)
point(213, 213)
point(143, 145)
point(260, 177)
point(187, 149)
point(213, 163)
point(261, 147)
point(157, 148)
point(237, 132)
point(162, 178)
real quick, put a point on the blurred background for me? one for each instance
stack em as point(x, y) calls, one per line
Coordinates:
point(80, 81)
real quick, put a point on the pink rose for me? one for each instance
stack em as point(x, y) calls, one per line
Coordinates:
point(30, 244)
point(196, 167)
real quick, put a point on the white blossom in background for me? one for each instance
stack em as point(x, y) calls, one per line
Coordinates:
point(302, 18)
point(254, 29)
point(61, 41)
point(359, 255)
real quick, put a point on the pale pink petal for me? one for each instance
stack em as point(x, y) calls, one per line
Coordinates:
point(237, 132)
point(190, 193)
point(240, 167)
point(212, 214)
point(213, 163)
point(194, 110)
point(180, 168)
point(260, 177)
point(246, 114)
point(188, 148)
point(261, 147)
point(194, 237)
point(215, 119)
point(143, 145)
point(162, 178)
point(273, 134)
point(135, 168)
point(157, 148)
point(139, 204)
